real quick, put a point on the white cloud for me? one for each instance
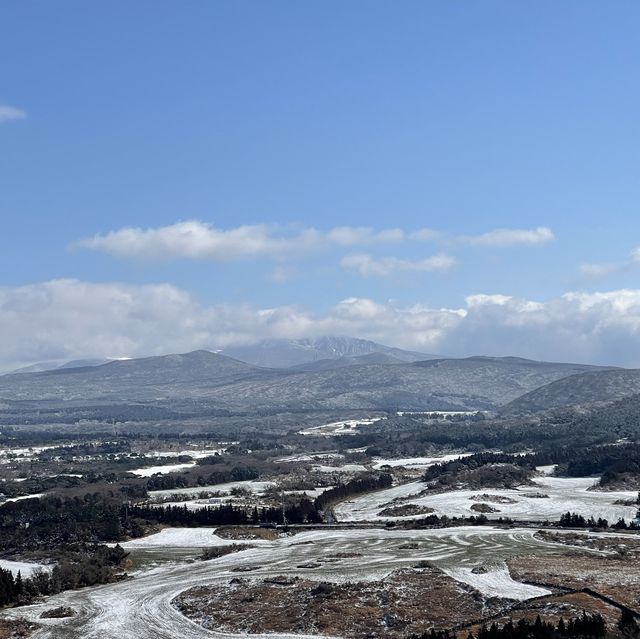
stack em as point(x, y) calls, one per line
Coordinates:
point(601, 269)
point(282, 273)
point(366, 265)
point(424, 235)
point(69, 319)
point(198, 240)
point(8, 113)
point(358, 235)
point(511, 237)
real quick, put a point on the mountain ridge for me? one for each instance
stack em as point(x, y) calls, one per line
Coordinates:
point(204, 379)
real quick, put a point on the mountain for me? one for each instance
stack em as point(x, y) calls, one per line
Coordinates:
point(38, 367)
point(148, 379)
point(41, 367)
point(341, 362)
point(444, 384)
point(82, 363)
point(202, 381)
point(285, 353)
point(578, 390)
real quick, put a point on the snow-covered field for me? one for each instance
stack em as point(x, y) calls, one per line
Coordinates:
point(563, 494)
point(26, 569)
point(346, 427)
point(308, 457)
point(179, 538)
point(417, 462)
point(196, 453)
point(141, 607)
point(256, 487)
point(161, 470)
point(344, 468)
point(22, 454)
point(494, 583)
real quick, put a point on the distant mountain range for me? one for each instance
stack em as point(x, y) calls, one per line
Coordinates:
point(318, 353)
point(385, 379)
point(284, 353)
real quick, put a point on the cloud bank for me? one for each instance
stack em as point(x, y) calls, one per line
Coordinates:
point(69, 319)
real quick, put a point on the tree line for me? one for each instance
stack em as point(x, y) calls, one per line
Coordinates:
point(100, 565)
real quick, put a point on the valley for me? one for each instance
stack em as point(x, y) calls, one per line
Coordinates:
point(159, 526)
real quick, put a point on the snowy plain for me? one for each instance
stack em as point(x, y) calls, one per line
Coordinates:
point(141, 607)
point(563, 494)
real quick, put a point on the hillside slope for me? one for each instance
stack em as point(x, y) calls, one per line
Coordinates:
point(206, 381)
point(578, 390)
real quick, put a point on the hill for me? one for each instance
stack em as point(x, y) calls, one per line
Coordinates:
point(578, 390)
point(148, 379)
point(200, 382)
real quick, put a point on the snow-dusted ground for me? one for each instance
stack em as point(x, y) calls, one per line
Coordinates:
point(196, 453)
point(34, 496)
point(311, 494)
point(141, 607)
point(179, 538)
point(308, 457)
point(344, 468)
point(161, 470)
point(345, 427)
point(439, 413)
point(564, 494)
point(496, 582)
point(26, 569)
point(22, 454)
point(256, 487)
point(417, 462)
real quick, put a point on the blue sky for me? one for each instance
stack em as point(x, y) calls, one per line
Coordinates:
point(459, 117)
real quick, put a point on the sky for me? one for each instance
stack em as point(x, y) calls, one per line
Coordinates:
point(453, 177)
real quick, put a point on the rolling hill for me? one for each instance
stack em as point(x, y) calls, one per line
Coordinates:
point(578, 390)
point(205, 381)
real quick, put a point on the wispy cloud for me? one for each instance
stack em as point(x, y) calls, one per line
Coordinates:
point(602, 269)
point(198, 240)
point(511, 237)
point(599, 269)
point(366, 265)
point(8, 113)
point(359, 235)
point(425, 235)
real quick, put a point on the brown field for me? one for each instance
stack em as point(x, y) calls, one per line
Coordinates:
point(406, 602)
point(10, 629)
point(614, 576)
